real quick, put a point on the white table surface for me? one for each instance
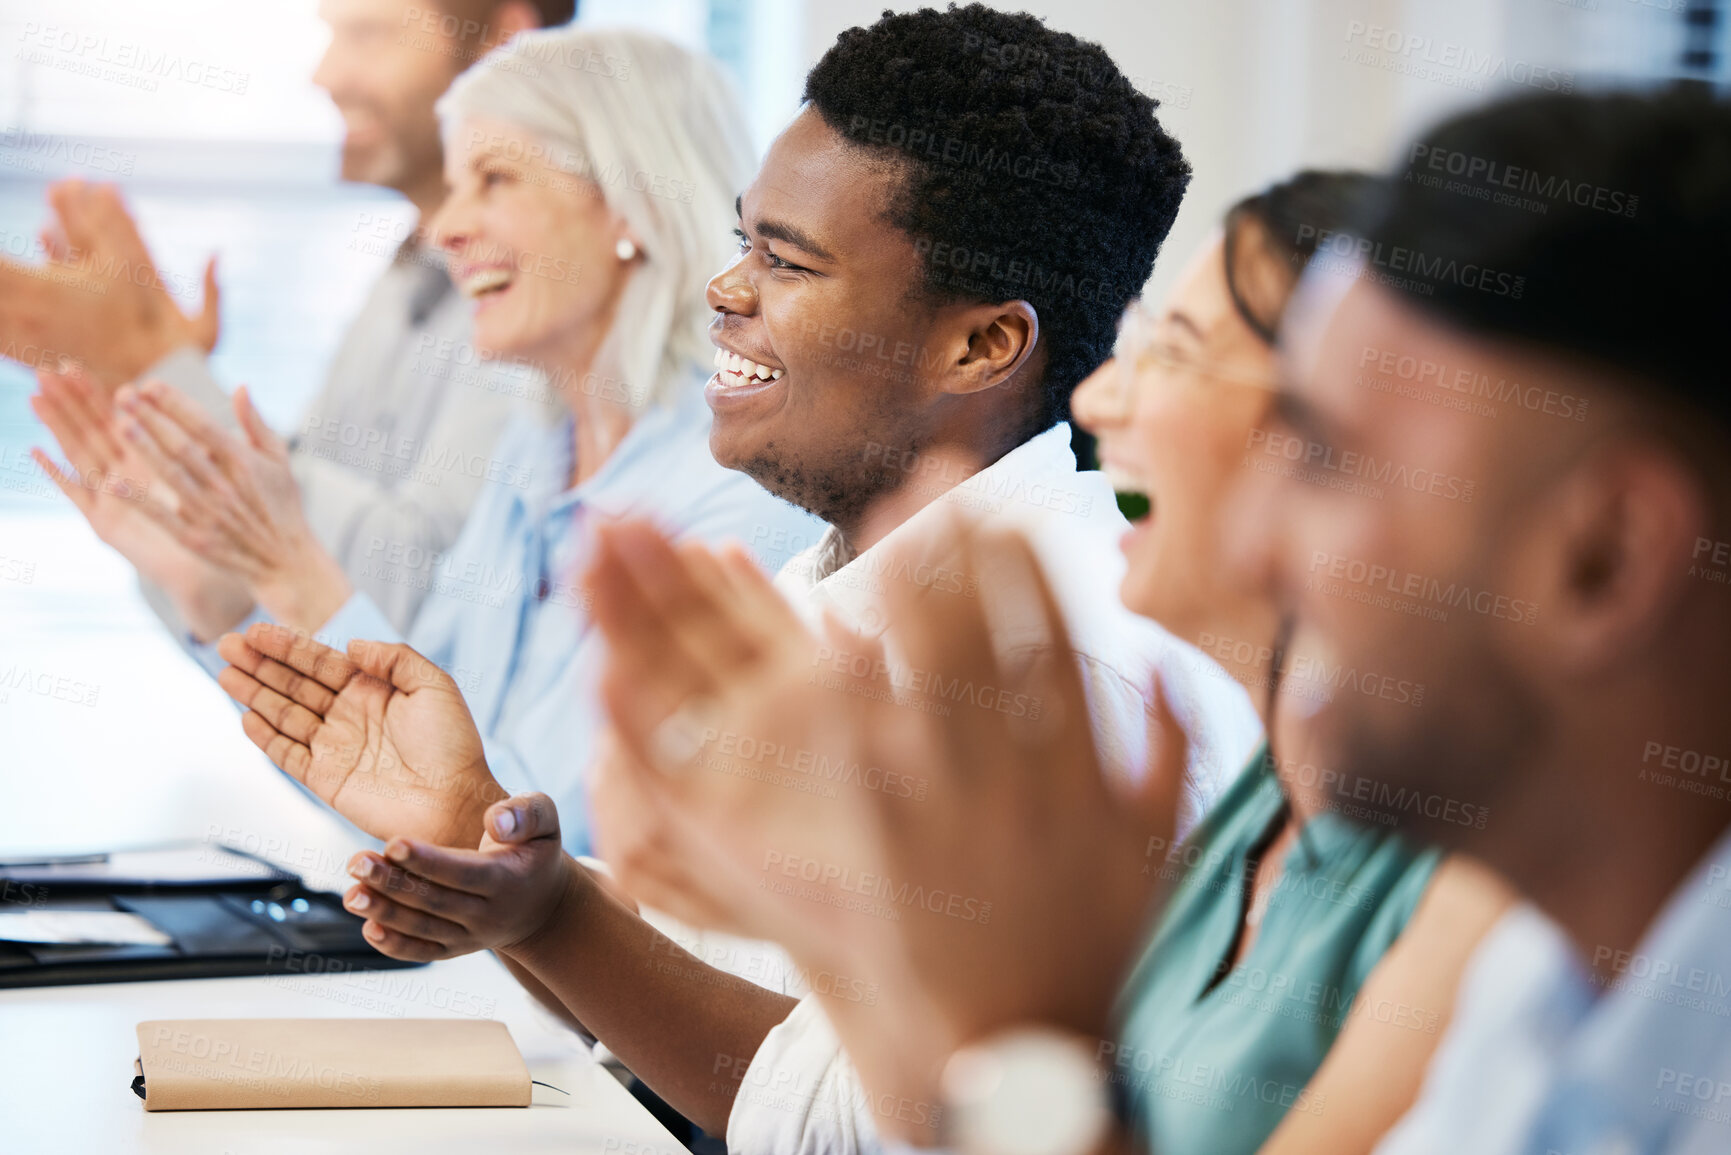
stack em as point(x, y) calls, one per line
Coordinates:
point(156, 754)
point(66, 1056)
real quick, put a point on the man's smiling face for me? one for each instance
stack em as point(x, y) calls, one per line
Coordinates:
point(823, 298)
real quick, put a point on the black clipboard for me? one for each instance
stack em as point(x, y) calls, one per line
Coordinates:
point(226, 913)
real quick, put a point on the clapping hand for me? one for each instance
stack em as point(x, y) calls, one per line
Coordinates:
point(113, 486)
point(99, 300)
point(1026, 866)
point(382, 734)
point(237, 501)
point(422, 901)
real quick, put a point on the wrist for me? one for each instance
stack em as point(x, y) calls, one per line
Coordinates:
point(479, 791)
point(306, 592)
point(544, 941)
point(146, 348)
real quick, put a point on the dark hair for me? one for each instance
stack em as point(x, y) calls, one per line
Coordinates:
point(1034, 169)
point(1610, 213)
point(1282, 224)
point(478, 14)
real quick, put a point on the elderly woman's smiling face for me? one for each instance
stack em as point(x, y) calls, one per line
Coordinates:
point(531, 242)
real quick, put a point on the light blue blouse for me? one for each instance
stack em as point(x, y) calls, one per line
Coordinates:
point(505, 615)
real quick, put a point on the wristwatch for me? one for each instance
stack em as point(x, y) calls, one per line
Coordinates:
point(1026, 1091)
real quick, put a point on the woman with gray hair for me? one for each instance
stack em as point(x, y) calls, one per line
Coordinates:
point(593, 172)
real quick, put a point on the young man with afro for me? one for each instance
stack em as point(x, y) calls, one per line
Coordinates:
point(935, 252)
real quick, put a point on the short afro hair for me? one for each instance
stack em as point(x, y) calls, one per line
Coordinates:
point(1034, 169)
point(1612, 215)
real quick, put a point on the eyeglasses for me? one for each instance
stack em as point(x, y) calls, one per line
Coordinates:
point(1141, 347)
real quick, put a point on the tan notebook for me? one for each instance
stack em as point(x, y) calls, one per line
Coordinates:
point(225, 1064)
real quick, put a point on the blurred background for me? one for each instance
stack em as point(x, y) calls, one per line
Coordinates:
point(243, 164)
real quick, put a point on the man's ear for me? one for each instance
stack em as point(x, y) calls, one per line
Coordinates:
point(1629, 517)
point(995, 342)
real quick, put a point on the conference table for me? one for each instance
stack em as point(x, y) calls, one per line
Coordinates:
point(151, 752)
point(66, 1056)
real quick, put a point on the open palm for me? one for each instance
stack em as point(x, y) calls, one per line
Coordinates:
point(114, 488)
point(382, 735)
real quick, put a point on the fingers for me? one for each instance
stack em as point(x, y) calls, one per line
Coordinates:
point(55, 243)
point(294, 758)
point(261, 436)
point(80, 497)
point(208, 452)
point(300, 653)
point(399, 945)
point(159, 444)
point(754, 589)
point(476, 872)
point(192, 420)
point(109, 225)
point(284, 715)
point(285, 680)
point(951, 637)
point(207, 326)
point(523, 818)
point(410, 905)
point(398, 665)
point(69, 414)
point(680, 587)
point(206, 485)
point(651, 672)
point(390, 913)
point(1062, 731)
point(1155, 798)
point(66, 198)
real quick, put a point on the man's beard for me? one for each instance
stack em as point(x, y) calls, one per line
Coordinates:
point(840, 494)
point(1459, 761)
point(381, 164)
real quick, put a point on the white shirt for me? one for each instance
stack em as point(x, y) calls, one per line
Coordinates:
point(1539, 1059)
point(800, 1095)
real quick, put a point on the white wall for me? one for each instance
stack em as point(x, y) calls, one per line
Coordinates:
point(1255, 89)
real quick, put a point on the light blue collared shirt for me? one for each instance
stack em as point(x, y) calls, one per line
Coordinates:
point(1541, 1061)
point(504, 612)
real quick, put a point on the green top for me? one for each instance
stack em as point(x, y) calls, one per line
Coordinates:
point(1211, 1070)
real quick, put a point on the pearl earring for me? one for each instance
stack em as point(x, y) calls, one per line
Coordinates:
point(626, 250)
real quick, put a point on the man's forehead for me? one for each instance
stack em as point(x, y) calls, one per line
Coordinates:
point(1387, 374)
point(814, 177)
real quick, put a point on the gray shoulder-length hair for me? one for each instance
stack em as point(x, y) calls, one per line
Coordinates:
point(659, 129)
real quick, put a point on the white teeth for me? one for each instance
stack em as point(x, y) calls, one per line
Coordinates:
point(485, 280)
point(1121, 481)
point(747, 370)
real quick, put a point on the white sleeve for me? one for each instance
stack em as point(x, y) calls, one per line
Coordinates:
point(801, 1095)
point(188, 370)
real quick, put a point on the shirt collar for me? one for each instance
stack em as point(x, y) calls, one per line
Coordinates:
point(659, 439)
point(842, 575)
point(1663, 1020)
